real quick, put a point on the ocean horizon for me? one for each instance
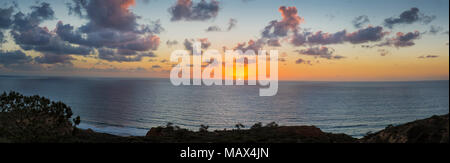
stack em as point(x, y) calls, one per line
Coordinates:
point(131, 106)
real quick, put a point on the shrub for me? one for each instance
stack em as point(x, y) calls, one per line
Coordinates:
point(203, 128)
point(239, 126)
point(34, 118)
point(272, 125)
point(257, 125)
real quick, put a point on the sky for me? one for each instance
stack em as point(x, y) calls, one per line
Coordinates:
point(318, 40)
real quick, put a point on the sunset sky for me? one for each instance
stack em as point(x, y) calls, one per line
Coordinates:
point(325, 40)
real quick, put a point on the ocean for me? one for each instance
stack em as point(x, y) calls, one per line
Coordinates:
point(130, 107)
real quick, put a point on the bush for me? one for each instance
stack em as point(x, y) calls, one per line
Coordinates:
point(257, 125)
point(34, 118)
point(272, 125)
point(239, 126)
point(203, 128)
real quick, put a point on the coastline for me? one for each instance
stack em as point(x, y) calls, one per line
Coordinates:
point(431, 130)
point(35, 119)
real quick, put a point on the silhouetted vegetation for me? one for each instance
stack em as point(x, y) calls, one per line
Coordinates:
point(34, 118)
point(37, 119)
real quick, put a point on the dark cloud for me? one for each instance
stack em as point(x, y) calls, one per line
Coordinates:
point(54, 59)
point(231, 24)
point(435, 30)
point(274, 42)
point(251, 45)
point(428, 57)
point(111, 25)
point(112, 55)
point(56, 46)
point(322, 52)
point(299, 39)
point(290, 22)
point(189, 43)
point(36, 36)
point(405, 40)
point(109, 38)
point(302, 61)
point(76, 8)
point(8, 58)
point(400, 40)
point(360, 21)
point(29, 35)
point(321, 38)
point(171, 43)
point(2, 38)
point(112, 14)
point(213, 29)
point(408, 17)
point(6, 17)
point(190, 11)
point(26, 30)
point(369, 34)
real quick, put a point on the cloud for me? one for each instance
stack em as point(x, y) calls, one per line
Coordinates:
point(322, 52)
point(190, 11)
point(251, 45)
point(302, 61)
point(290, 22)
point(274, 42)
point(408, 17)
point(435, 29)
point(428, 57)
point(2, 38)
point(111, 25)
point(105, 37)
point(213, 29)
point(321, 38)
point(360, 21)
point(26, 30)
point(299, 39)
point(6, 17)
point(112, 55)
point(405, 40)
point(171, 43)
point(231, 24)
point(366, 35)
point(54, 59)
point(113, 14)
point(29, 35)
point(188, 43)
point(8, 58)
point(56, 46)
